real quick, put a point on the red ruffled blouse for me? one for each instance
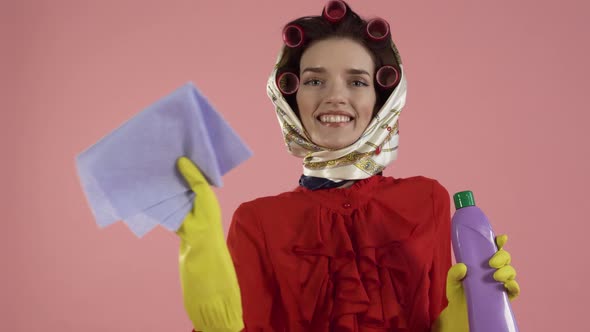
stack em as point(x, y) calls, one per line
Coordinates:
point(371, 257)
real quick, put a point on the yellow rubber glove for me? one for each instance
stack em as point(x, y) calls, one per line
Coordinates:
point(505, 273)
point(454, 317)
point(209, 283)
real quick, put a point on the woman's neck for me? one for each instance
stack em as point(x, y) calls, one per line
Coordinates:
point(347, 184)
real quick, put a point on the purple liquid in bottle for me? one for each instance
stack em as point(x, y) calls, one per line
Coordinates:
point(474, 244)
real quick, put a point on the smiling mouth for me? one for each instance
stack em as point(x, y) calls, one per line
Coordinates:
point(331, 119)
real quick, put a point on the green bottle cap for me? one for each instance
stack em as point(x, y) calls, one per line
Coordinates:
point(463, 199)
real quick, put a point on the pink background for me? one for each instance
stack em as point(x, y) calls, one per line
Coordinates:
point(496, 104)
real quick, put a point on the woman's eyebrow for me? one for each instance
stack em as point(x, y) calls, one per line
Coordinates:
point(351, 71)
point(314, 70)
point(358, 72)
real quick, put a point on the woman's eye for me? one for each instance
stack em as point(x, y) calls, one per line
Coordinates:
point(359, 83)
point(313, 82)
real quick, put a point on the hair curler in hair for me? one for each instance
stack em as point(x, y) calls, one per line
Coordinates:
point(288, 83)
point(387, 77)
point(334, 10)
point(293, 35)
point(377, 29)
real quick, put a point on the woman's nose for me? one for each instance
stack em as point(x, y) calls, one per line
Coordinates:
point(336, 94)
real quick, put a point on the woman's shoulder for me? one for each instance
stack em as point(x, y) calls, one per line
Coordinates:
point(374, 186)
point(410, 192)
point(414, 184)
point(402, 196)
point(272, 201)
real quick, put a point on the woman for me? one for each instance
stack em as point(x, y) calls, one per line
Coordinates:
point(349, 249)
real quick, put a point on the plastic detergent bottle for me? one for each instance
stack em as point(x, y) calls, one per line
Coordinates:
point(474, 244)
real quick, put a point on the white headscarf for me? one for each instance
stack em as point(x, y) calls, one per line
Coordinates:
point(369, 155)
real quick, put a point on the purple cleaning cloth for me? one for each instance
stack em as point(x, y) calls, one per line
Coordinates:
point(131, 175)
point(161, 213)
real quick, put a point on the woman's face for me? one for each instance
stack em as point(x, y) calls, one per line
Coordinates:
point(336, 95)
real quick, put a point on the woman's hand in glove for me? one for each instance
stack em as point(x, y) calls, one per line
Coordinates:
point(209, 283)
point(454, 317)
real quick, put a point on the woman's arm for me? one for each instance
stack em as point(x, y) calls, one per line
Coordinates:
point(441, 258)
point(260, 296)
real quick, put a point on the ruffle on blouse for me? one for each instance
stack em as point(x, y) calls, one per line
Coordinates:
point(350, 277)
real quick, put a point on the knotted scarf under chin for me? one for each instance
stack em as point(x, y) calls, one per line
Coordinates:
point(315, 183)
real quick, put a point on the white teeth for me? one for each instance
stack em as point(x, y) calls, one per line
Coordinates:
point(334, 118)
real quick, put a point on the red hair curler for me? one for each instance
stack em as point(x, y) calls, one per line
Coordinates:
point(293, 35)
point(334, 10)
point(288, 83)
point(387, 76)
point(377, 29)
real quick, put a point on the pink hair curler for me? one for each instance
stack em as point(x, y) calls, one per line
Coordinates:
point(334, 10)
point(293, 35)
point(387, 76)
point(377, 29)
point(288, 83)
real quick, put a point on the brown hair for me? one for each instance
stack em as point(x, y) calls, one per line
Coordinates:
point(352, 26)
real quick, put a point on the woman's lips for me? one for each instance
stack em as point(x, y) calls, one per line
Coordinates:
point(335, 119)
